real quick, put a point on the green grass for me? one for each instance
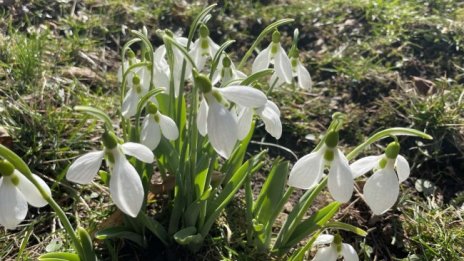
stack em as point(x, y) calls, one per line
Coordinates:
point(363, 57)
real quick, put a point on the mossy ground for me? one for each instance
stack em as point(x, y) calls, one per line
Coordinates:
point(383, 63)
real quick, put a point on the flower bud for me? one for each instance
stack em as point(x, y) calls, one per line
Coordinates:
point(331, 139)
point(392, 150)
point(204, 31)
point(110, 141)
point(276, 36)
point(202, 82)
point(6, 168)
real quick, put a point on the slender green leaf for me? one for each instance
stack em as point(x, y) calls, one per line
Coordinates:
point(347, 227)
point(59, 256)
point(119, 232)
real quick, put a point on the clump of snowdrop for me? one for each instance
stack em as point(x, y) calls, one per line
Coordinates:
point(335, 250)
point(309, 170)
point(125, 185)
point(16, 191)
point(382, 188)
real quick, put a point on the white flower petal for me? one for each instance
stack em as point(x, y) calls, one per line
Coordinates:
point(261, 61)
point(326, 254)
point(363, 165)
point(323, 239)
point(304, 78)
point(270, 115)
point(126, 187)
point(222, 129)
point(85, 168)
point(140, 151)
point(381, 190)
point(213, 48)
point(275, 80)
point(402, 168)
point(307, 171)
point(348, 253)
point(245, 119)
point(168, 127)
point(201, 117)
point(282, 66)
point(150, 135)
point(13, 206)
point(340, 180)
point(244, 95)
point(129, 105)
point(30, 192)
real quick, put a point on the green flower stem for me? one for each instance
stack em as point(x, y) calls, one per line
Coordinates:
point(24, 169)
point(384, 134)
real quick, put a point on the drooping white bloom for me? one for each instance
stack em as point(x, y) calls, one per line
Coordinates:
point(216, 120)
point(382, 188)
point(125, 185)
point(162, 71)
point(274, 54)
point(299, 72)
point(308, 171)
point(156, 124)
point(140, 86)
point(203, 48)
point(335, 250)
point(226, 72)
point(269, 114)
point(16, 191)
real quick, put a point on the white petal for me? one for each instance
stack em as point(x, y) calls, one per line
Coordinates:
point(126, 187)
point(304, 78)
point(275, 80)
point(381, 190)
point(348, 253)
point(323, 239)
point(85, 168)
point(129, 105)
point(283, 67)
point(270, 115)
point(326, 254)
point(30, 192)
point(261, 61)
point(140, 151)
point(340, 180)
point(363, 165)
point(150, 135)
point(197, 56)
point(168, 127)
point(222, 129)
point(307, 171)
point(402, 168)
point(213, 48)
point(244, 95)
point(13, 206)
point(202, 116)
point(245, 119)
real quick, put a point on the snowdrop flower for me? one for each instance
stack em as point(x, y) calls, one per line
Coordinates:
point(156, 124)
point(218, 122)
point(269, 114)
point(203, 47)
point(382, 188)
point(308, 171)
point(299, 71)
point(130, 61)
point(161, 69)
point(335, 250)
point(140, 87)
point(16, 191)
point(125, 185)
point(226, 72)
point(274, 54)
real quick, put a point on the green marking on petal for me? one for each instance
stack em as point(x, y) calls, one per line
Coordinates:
point(383, 162)
point(329, 155)
point(15, 180)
